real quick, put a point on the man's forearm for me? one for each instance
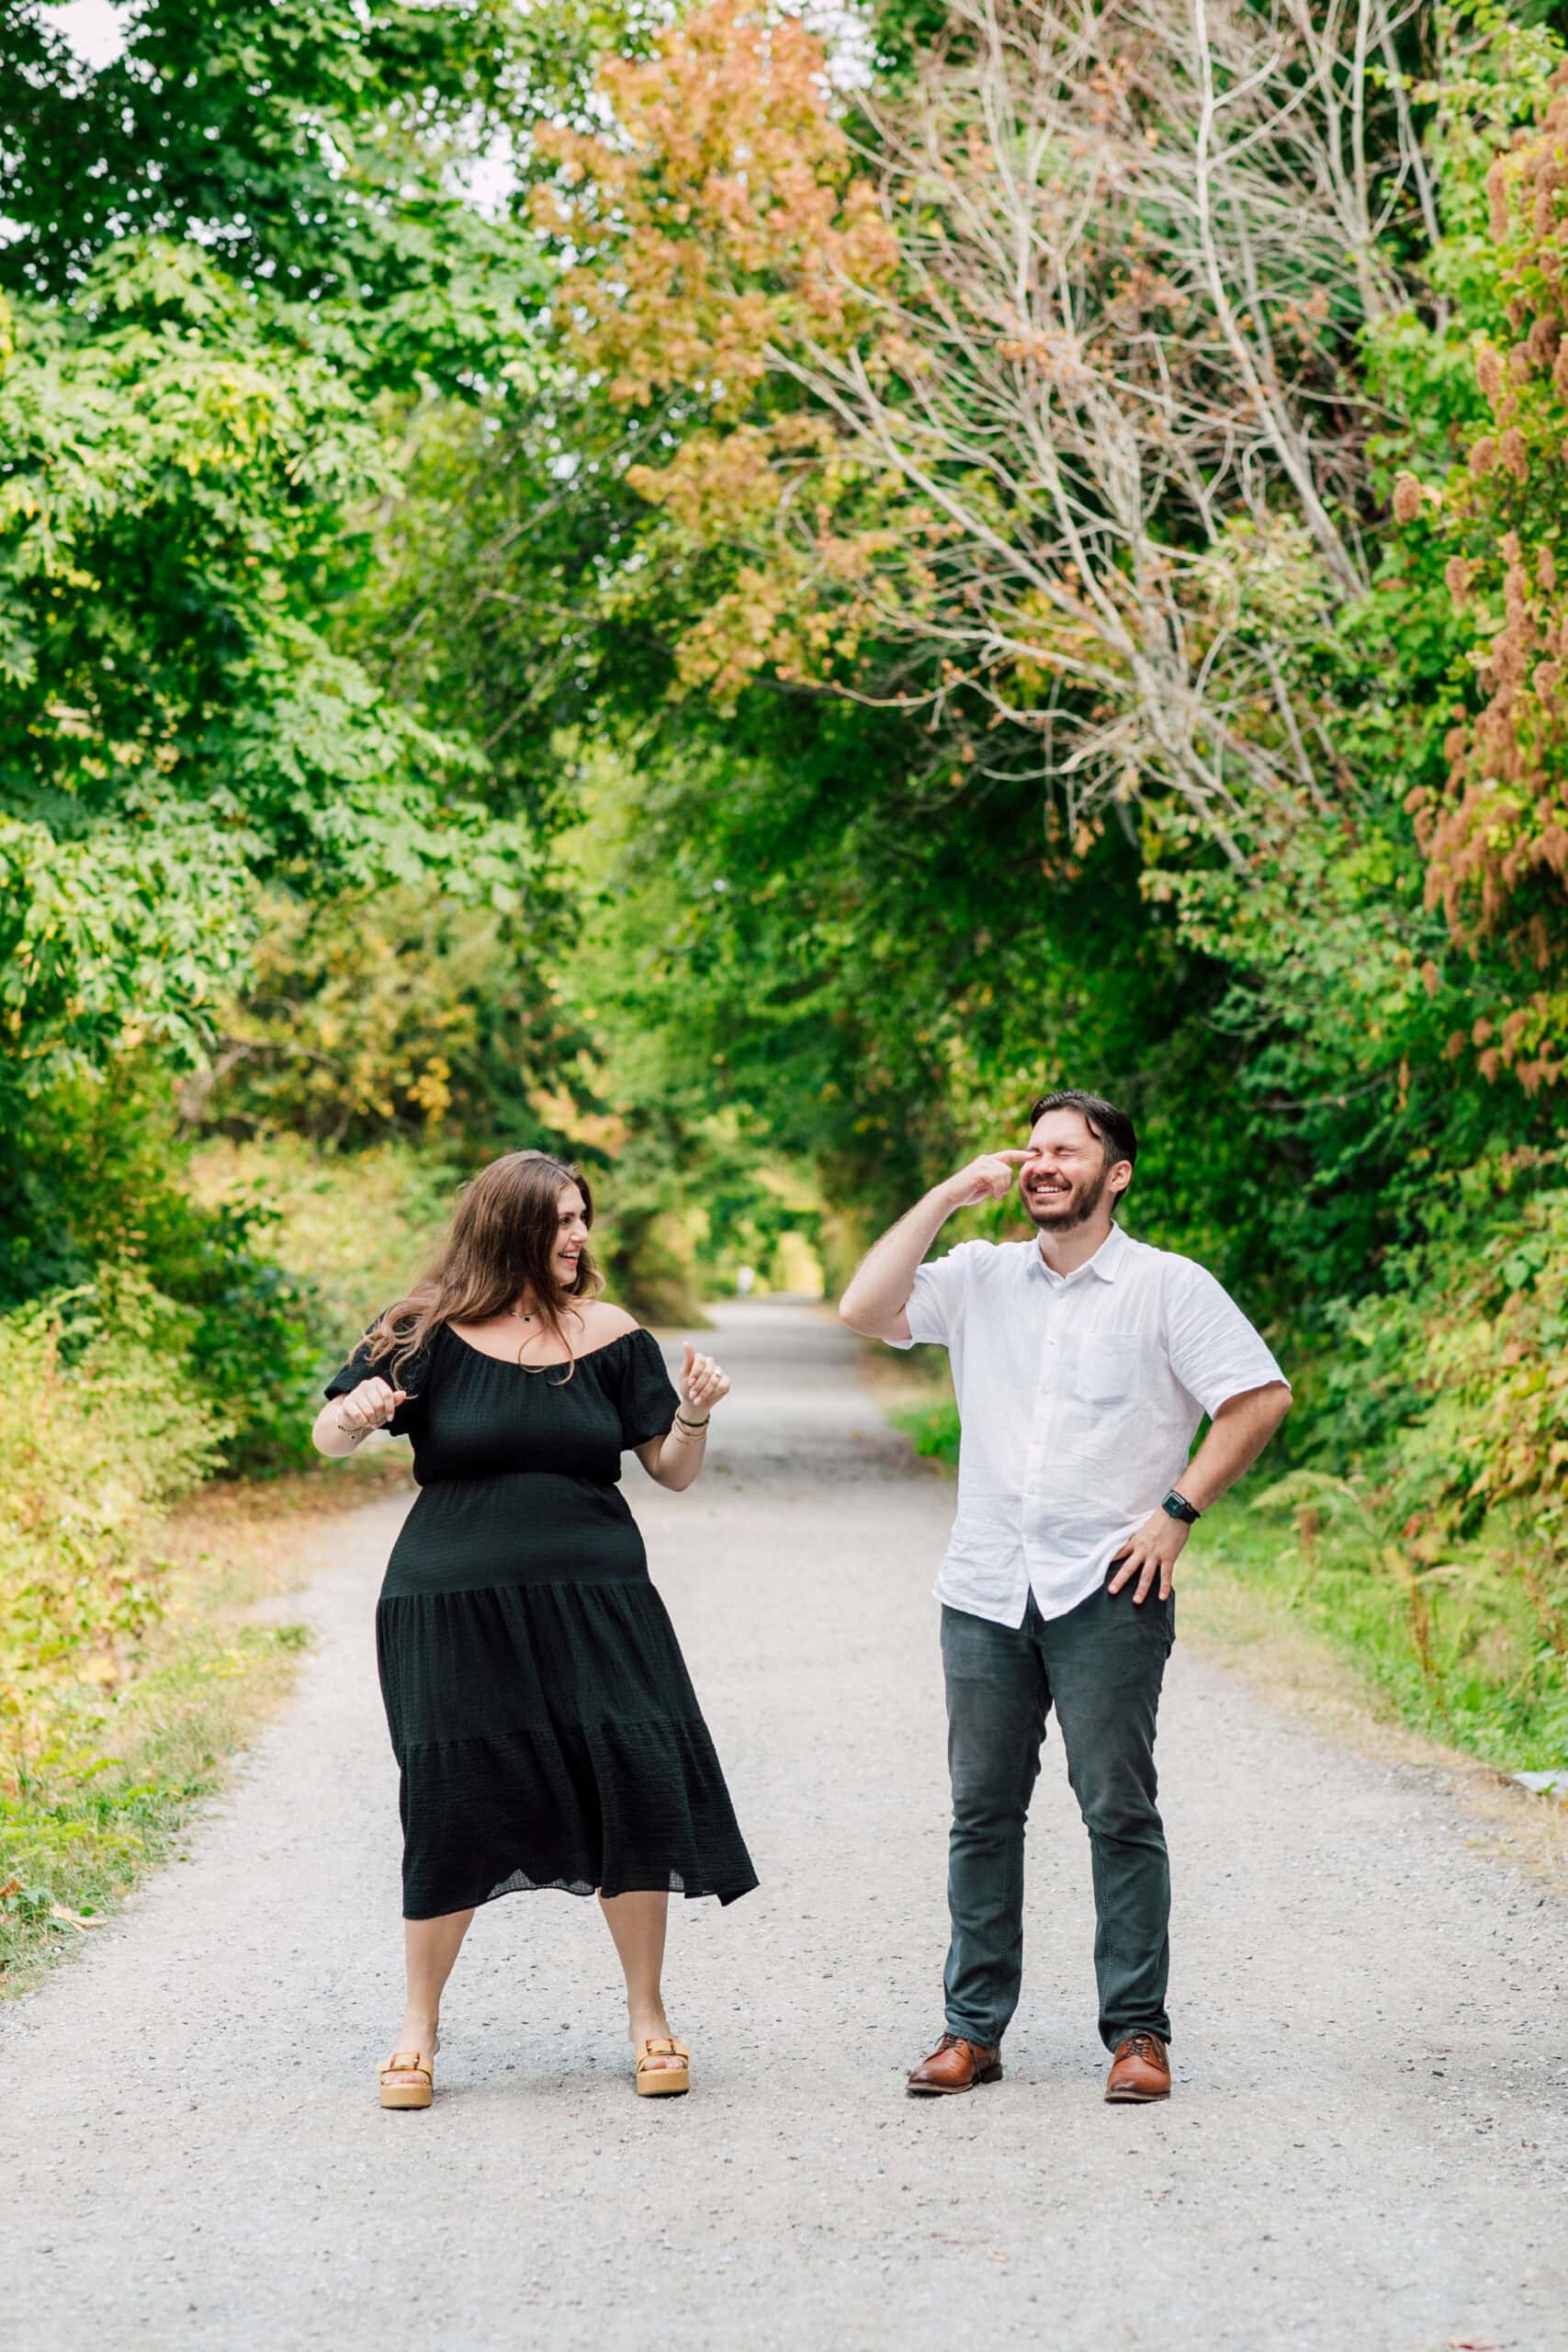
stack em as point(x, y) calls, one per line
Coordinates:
point(875, 1302)
point(1238, 1435)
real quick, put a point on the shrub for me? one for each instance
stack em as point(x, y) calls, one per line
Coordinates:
point(104, 1433)
point(1427, 1518)
point(93, 1185)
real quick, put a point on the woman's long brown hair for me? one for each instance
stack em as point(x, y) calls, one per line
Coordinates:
point(499, 1245)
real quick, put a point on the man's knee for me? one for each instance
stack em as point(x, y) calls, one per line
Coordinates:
point(1117, 1802)
point(992, 1779)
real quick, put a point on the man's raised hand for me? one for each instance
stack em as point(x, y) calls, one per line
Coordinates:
point(876, 1301)
point(990, 1178)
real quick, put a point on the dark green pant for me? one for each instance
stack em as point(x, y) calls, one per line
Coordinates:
point(1100, 1667)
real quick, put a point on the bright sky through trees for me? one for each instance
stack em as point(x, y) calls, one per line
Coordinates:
point(93, 28)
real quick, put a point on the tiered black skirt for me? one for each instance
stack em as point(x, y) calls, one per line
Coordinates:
point(545, 1726)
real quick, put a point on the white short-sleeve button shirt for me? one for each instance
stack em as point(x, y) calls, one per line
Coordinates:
point(1079, 1396)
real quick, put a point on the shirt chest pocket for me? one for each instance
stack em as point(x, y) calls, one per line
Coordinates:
point(1106, 1375)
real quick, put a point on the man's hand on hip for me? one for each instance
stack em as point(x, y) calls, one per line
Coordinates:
point(1152, 1552)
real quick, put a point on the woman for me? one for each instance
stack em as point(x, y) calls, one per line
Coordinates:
point(540, 1710)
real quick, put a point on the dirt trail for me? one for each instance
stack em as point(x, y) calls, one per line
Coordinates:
point(1367, 2150)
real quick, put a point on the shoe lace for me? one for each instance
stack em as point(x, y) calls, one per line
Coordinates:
point(1142, 2045)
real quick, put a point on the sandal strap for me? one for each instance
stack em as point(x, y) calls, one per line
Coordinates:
point(655, 2047)
point(408, 2061)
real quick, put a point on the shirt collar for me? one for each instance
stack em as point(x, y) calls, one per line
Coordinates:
point(1104, 1262)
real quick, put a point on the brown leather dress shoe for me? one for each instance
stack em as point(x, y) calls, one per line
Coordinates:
point(1140, 2071)
point(954, 2065)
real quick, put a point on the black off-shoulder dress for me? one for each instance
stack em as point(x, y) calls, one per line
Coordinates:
point(541, 1714)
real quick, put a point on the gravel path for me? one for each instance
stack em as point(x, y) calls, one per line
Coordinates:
point(1366, 2149)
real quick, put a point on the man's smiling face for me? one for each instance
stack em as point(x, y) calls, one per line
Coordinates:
point(1067, 1177)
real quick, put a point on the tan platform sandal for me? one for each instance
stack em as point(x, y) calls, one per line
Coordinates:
point(408, 2078)
point(662, 2082)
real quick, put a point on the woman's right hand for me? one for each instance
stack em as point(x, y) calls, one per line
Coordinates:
point(368, 1406)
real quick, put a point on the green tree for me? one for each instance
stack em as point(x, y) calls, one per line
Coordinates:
point(311, 147)
point(238, 261)
point(178, 463)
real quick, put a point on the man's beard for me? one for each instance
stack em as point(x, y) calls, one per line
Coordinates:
point(1081, 1203)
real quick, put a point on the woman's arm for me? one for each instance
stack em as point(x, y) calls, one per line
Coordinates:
point(675, 1459)
point(344, 1421)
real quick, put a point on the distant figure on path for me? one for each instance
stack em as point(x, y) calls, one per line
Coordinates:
point(1083, 1363)
point(539, 1708)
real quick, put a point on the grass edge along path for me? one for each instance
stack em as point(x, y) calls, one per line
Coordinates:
point(79, 1832)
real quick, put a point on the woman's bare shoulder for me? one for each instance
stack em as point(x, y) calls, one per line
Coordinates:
point(603, 1321)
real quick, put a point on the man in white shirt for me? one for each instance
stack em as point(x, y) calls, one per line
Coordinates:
point(1083, 1363)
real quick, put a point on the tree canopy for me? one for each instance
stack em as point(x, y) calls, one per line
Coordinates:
point(616, 577)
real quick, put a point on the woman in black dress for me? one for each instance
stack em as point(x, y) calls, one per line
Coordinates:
point(545, 1728)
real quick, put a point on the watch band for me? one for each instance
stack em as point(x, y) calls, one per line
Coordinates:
point(1179, 1507)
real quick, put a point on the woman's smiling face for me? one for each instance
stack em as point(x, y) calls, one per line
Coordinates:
point(571, 1234)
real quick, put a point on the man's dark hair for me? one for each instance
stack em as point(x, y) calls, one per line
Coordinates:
point(1118, 1138)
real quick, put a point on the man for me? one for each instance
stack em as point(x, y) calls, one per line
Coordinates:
point(1083, 1363)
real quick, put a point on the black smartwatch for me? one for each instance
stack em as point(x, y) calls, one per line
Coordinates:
point(1179, 1507)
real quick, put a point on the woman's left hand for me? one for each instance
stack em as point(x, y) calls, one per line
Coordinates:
point(702, 1384)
